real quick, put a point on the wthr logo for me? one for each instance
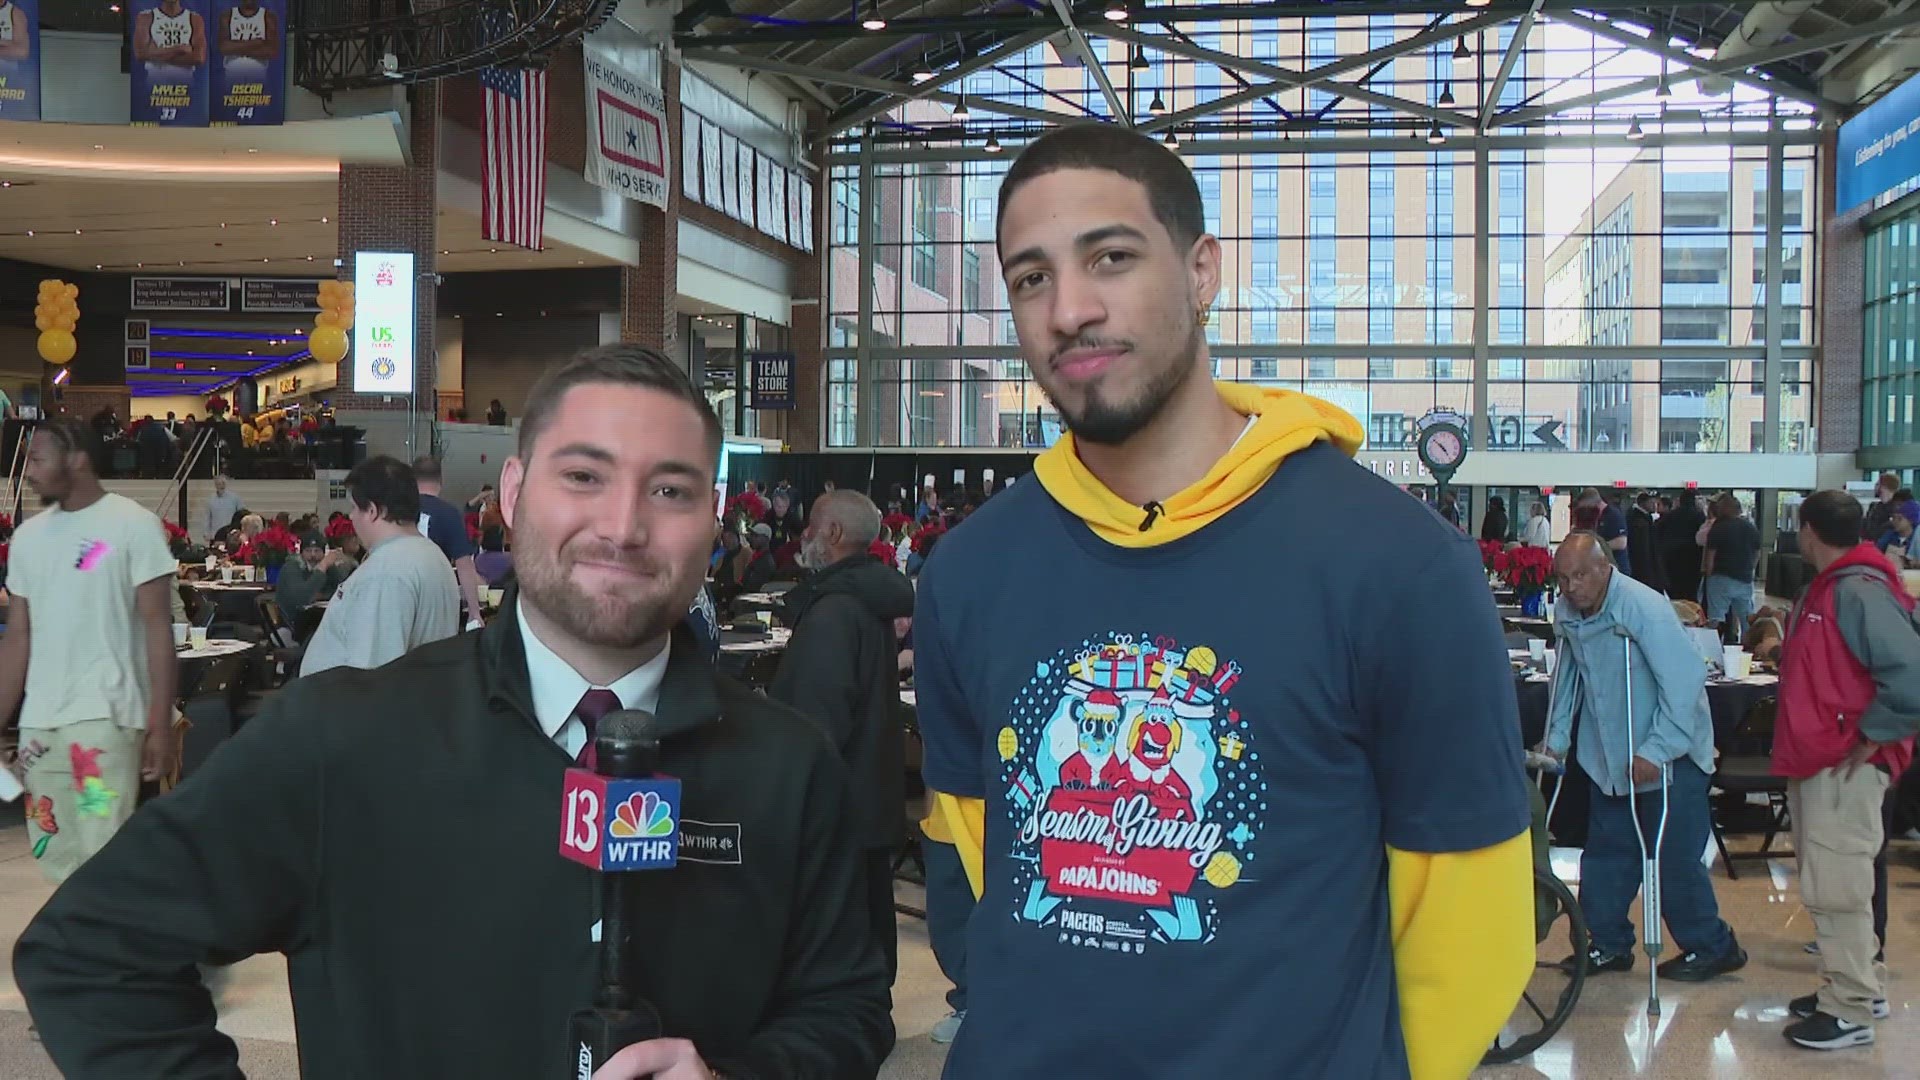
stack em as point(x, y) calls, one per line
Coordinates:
point(610, 824)
point(643, 814)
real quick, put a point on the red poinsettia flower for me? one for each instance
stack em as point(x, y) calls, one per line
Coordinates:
point(882, 550)
point(175, 534)
point(924, 539)
point(339, 528)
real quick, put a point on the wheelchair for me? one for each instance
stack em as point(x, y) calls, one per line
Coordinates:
point(1559, 973)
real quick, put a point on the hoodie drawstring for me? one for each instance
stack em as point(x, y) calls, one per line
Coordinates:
point(1153, 510)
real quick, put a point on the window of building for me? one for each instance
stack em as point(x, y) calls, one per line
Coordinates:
point(1265, 326)
point(925, 265)
point(1322, 368)
point(970, 279)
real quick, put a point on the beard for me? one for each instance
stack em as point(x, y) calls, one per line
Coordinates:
point(1108, 422)
point(814, 555)
point(611, 620)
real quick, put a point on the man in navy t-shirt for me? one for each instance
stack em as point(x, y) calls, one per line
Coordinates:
point(1231, 814)
point(441, 523)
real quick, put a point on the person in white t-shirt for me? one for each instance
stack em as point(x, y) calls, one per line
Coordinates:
point(90, 645)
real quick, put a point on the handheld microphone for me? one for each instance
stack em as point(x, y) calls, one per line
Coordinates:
point(619, 818)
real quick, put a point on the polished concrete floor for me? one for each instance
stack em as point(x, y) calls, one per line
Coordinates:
point(1719, 1031)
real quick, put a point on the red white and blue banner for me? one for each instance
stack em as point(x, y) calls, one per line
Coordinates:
point(249, 63)
point(19, 59)
point(170, 75)
point(629, 147)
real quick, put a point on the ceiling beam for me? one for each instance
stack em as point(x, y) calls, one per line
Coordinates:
point(866, 83)
point(1514, 48)
point(1078, 42)
point(852, 116)
point(1736, 68)
point(1841, 55)
point(1286, 79)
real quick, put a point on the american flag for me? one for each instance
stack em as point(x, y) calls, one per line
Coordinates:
point(513, 170)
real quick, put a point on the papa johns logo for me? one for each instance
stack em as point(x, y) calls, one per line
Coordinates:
point(1133, 793)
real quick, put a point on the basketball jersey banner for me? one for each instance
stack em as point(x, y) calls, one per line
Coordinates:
point(170, 62)
point(19, 59)
point(249, 62)
point(629, 148)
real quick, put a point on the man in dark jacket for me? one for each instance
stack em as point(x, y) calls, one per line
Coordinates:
point(841, 669)
point(393, 831)
point(1680, 551)
point(1643, 545)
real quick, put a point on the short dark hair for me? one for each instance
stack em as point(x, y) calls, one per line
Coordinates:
point(1834, 517)
point(387, 483)
point(72, 435)
point(1171, 189)
point(426, 467)
point(620, 365)
point(1903, 495)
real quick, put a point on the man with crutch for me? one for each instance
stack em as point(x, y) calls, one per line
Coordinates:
point(1638, 689)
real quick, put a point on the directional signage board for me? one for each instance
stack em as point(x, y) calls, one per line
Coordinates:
point(383, 288)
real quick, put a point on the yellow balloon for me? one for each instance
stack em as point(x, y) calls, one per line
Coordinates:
point(41, 322)
point(50, 290)
point(47, 310)
point(69, 310)
point(326, 319)
point(72, 291)
point(57, 346)
point(328, 344)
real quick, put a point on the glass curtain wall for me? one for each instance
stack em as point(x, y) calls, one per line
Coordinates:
point(1626, 284)
point(1890, 374)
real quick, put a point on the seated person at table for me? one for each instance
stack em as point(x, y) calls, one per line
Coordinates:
point(1765, 633)
point(312, 576)
point(493, 564)
point(404, 595)
point(750, 568)
point(1671, 744)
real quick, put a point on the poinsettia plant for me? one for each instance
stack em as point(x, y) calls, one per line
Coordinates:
point(745, 506)
point(217, 406)
point(179, 542)
point(1489, 551)
point(1526, 570)
point(923, 540)
point(882, 550)
point(339, 529)
point(271, 548)
point(896, 524)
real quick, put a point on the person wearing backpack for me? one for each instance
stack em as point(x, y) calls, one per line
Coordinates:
point(1849, 706)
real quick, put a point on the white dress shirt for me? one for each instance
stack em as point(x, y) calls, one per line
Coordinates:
point(557, 689)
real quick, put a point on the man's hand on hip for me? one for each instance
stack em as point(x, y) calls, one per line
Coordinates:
point(656, 1059)
point(1857, 757)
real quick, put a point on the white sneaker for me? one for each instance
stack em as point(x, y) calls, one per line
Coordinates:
point(948, 1028)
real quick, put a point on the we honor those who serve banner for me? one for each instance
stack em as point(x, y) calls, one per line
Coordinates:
point(19, 59)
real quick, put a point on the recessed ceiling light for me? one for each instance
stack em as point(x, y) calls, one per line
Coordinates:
point(273, 221)
point(444, 251)
point(99, 146)
point(6, 183)
point(323, 219)
point(97, 266)
point(251, 150)
point(496, 250)
point(309, 258)
point(29, 232)
point(76, 232)
point(498, 314)
point(223, 224)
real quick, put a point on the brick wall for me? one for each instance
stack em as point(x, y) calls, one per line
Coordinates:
point(393, 209)
point(649, 293)
point(84, 401)
point(1841, 284)
point(805, 426)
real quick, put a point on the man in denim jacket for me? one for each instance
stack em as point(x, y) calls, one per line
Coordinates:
point(1671, 727)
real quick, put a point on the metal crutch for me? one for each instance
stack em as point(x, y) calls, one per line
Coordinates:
point(1650, 915)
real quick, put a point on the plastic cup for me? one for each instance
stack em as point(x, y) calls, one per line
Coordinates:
point(1537, 650)
point(1548, 658)
point(180, 633)
point(198, 637)
point(226, 573)
point(1730, 656)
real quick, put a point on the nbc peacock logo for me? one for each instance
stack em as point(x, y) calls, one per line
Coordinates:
point(643, 815)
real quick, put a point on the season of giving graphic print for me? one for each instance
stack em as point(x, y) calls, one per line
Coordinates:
point(1134, 794)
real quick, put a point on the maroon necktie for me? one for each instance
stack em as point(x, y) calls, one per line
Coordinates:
point(594, 704)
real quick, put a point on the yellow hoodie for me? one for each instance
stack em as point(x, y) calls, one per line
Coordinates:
point(1462, 921)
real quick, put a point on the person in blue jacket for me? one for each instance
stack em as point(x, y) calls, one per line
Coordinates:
point(1671, 727)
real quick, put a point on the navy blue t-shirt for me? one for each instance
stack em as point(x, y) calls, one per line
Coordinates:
point(442, 524)
point(1193, 757)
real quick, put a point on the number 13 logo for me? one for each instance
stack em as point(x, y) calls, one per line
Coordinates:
point(583, 820)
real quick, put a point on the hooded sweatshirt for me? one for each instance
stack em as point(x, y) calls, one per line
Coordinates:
point(1197, 755)
point(840, 669)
